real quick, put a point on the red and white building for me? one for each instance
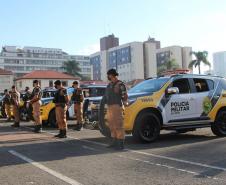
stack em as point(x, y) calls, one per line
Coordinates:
point(46, 78)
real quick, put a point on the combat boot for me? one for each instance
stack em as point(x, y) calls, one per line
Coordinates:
point(38, 129)
point(63, 134)
point(113, 143)
point(78, 127)
point(60, 133)
point(120, 144)
point(16, 124)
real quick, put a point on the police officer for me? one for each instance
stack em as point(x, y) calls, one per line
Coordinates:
point(61, 101)
point(78, 99)
point(27, 106)
point(15, 100)
point(7, 104)
point(35, 101)
point(116, 97)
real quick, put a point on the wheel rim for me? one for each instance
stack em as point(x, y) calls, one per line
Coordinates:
point(149, 129)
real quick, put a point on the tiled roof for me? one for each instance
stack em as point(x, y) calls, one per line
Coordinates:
point(5, 72)
point(47, 75)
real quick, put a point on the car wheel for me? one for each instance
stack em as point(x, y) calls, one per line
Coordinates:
point(219, 126)
point(52, 119)
point(147, 127)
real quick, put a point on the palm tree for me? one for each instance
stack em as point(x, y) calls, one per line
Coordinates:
point(170, 64)
point(72, 67)
point(200, 57)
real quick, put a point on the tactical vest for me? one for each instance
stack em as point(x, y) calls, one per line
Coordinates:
point(77, 96)
point(6, 99)
point(112, 97)
point(14, 97)
point(33, 92)
point(58, 98)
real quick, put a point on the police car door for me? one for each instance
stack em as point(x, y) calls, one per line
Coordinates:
point(180, 107)
point(204, 94)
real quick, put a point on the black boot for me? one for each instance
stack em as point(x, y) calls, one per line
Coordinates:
point(38, 129)
point(63, 134)
point(78, 127)
point(120, 144)
point(113, 143)
point(60, 133)
point(16, 124)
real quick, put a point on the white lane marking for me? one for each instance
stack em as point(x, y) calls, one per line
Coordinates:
point(179, 160)
point(153, 155)
point(44, 168)
point(89, 148)
point(170, 167)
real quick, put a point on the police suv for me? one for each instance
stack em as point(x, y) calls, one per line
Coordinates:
point(182, 102)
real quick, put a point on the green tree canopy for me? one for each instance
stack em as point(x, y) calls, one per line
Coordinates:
point(72, 67)
point(200, 57)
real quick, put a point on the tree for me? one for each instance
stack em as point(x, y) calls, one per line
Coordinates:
point(170, 64)
point(72, 67)
point(200, 57)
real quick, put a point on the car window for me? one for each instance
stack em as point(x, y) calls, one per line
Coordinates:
point(201, 85)
point(151, 85)
point(210, 84)
point(182, 85)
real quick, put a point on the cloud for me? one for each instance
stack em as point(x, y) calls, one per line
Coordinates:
point(90, 49)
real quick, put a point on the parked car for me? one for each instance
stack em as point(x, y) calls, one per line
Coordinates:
point(90, 92)
point(179, 102)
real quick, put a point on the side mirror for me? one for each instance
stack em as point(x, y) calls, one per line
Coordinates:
point(172, 90)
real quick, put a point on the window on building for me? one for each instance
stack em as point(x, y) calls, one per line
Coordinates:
point(65, 83)
point(50, 83)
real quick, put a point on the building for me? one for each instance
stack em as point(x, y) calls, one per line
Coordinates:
point(108, 42)
point(24, 60)
point(219, 63)
point(6, 80)
point(46, 79)
point(180, 55)
point(138, 60)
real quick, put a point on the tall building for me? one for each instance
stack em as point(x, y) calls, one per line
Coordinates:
point(138, 60)
point(180, 55)
point(219, 63)
point(108, 42)
point(24, 60)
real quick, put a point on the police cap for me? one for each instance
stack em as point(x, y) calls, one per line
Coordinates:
point(112, 72)
point(75, 82)
point(57, 82)
point(35, 81)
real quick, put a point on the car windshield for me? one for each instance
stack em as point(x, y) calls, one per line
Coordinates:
point(151, 85)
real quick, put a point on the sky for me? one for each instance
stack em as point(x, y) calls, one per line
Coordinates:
point(77, 25)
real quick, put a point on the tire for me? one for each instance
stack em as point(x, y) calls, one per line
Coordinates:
point(23, 114)
point(147, 127)
point(219, 126)
point(102, 123)
point(52, 118)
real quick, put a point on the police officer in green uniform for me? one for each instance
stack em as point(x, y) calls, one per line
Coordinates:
point(7, 104)
point(27, 107)
point(61, 101)
point(116, 97)
point(78, 99)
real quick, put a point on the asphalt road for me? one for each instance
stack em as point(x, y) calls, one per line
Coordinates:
point(27, 158)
